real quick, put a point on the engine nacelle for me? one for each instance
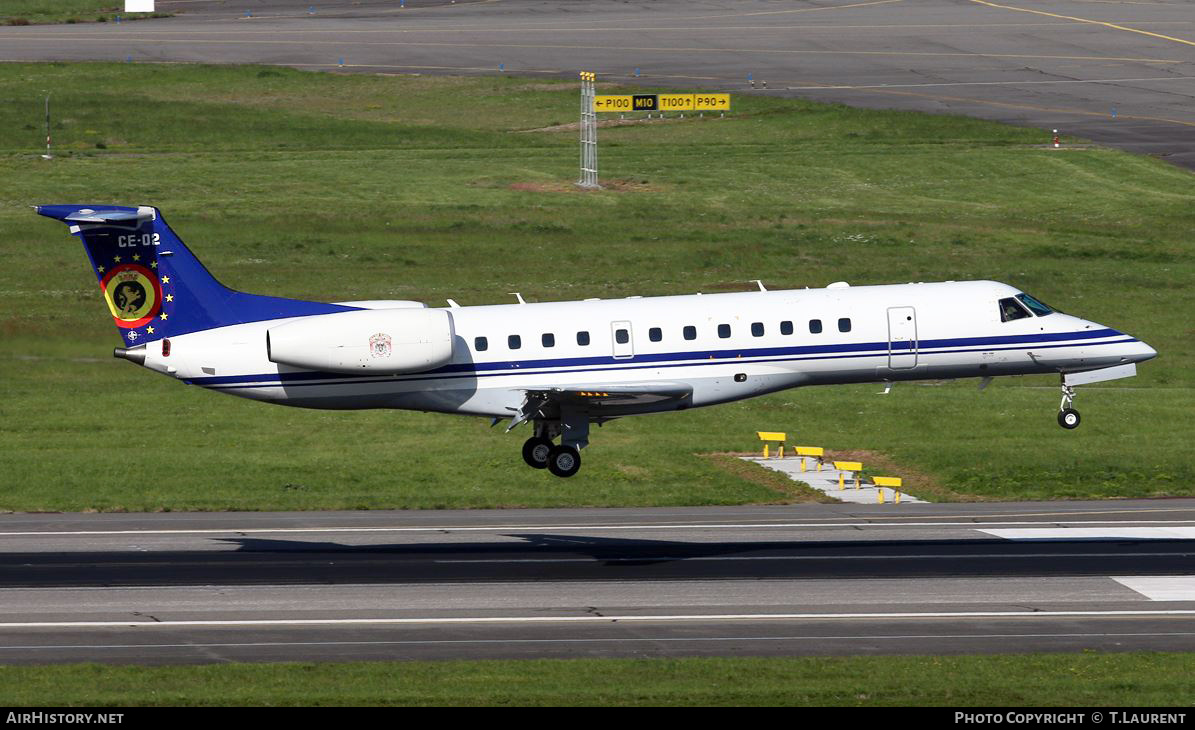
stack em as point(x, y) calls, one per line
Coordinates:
point(386, 341)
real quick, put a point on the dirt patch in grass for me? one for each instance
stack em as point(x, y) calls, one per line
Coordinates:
point(792, 492)
point(563, 86)
point(574, 126)
point(621, 186)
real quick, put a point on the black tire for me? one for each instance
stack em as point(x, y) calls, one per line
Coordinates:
point(535, 452)
point(1068, 418)
point(564, 461)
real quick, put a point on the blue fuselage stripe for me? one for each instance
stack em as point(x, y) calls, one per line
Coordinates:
point(666, 360)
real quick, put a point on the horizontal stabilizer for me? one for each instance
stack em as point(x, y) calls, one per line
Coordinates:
point(104, 216)
point(79, 214)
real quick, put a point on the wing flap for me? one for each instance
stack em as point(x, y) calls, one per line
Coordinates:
point(603, 394)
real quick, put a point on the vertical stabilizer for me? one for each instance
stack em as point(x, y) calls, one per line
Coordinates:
point(153, 285)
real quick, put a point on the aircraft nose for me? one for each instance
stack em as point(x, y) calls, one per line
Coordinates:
point(1137, 352)
point(1142, 352)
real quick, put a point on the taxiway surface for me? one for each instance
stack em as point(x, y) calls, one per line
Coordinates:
point(1120, 73)
point(809, 579)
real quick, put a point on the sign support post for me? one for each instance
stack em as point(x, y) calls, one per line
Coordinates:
point(589, 174)
point(48, 155)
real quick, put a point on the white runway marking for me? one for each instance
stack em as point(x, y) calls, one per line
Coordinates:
point(260, 623)
point(987, 83)
point(878, 522)
point(1161, 587)
point(946, 556)
point(1110, 532)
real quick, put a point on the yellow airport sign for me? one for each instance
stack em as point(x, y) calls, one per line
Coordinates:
point(711, 102)
point(661, 102)
point(606, 103)
point(676, 102)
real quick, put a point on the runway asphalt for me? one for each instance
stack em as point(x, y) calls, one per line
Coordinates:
point(1119, 73)
point(808, 579)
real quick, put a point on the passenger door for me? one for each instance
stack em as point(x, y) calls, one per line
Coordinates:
point(902, 338)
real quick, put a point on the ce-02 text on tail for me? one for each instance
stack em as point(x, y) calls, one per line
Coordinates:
point(562, 366)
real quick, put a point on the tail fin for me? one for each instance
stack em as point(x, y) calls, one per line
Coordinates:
point(153, 285)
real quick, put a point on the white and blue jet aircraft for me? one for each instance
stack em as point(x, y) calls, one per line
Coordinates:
point(564, 365)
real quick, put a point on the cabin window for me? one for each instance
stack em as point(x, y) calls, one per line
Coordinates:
point(690, 332)
point(1034, 305)
point(844, 324)
point(621, 336)
point(757, 329)
point(724, 331)
point(1010, 310)
point(548, 339)
point(786, 327)
point(514, 342)
point(815, 326)
point(481, 344)
point(582, 338)
point(655, 334)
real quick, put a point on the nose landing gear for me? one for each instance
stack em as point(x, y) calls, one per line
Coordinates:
point(1067, 417)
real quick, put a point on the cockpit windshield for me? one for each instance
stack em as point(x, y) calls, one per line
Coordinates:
point(1035, 306)
point(1010, 310)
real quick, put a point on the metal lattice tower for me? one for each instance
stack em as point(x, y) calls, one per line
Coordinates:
point(589, 174)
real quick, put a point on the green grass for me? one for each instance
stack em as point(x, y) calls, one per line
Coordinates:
point(38, 12)
point(1054, 680)
point(336, 187)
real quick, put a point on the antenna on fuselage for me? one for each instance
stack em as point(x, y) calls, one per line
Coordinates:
point(517, 296)
point(760, 282)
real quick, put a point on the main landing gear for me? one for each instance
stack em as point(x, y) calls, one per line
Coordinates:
point(561, 460)
point(1067, 417)
point(535, 452)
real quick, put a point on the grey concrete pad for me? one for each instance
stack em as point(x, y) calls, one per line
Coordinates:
point(826, 480)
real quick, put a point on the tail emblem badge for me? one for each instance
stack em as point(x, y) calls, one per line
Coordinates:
point(133, 294)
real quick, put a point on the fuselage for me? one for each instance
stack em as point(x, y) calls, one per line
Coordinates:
point(725, 346)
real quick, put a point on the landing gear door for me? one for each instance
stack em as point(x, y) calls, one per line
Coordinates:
point(902, 338)
point(620, 335)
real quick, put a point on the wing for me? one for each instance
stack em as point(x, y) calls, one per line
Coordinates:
point(602, 400)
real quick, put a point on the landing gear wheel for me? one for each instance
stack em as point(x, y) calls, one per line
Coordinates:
point(535, 452)
point(564, 461)
point(1068, 418)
